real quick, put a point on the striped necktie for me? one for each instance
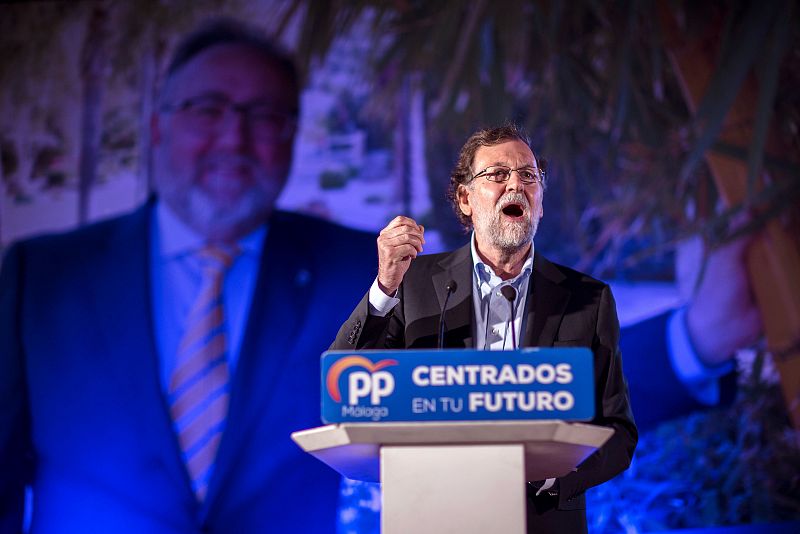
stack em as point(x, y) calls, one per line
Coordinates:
point(199, 386)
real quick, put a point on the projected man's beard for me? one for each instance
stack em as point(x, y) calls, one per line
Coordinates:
point(226, 195)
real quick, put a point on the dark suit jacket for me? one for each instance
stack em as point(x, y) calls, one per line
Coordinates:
point(564, 308)
point(82, 415)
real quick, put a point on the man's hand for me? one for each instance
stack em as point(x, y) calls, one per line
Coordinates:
point(722, 316)
point(398, 244)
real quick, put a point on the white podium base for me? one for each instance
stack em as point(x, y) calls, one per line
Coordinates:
point(453, 489)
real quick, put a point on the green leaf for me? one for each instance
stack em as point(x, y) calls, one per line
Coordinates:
point(753, 27)
point(768, 71)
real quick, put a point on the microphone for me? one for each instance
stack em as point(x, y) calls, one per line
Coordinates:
point(450, 288)
point(511, 294)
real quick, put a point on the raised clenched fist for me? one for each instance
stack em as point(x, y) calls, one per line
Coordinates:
point(398, 244)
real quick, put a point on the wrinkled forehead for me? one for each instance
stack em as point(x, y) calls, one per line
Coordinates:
point(236, 71)
point(512, 153)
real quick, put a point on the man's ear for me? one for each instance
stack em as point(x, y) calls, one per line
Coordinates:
point(463, 200)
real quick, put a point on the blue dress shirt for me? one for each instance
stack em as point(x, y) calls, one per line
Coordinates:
point(492, 311)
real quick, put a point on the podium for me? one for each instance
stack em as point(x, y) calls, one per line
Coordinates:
point(460, 477)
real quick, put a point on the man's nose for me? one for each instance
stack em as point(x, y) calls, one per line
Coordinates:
point(514, 182)
point(234, 131)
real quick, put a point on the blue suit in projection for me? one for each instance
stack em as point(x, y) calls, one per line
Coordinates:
point(83, 417)
point(657, 392)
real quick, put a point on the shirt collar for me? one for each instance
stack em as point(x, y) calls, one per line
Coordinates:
point(177, 239)
point(487, 279)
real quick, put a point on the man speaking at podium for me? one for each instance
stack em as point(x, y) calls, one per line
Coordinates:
point(501, 290)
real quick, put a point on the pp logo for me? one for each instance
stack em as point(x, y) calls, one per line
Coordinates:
point(372, 383)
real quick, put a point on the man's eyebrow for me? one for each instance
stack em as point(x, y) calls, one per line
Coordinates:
point(500, 164)
point(218, 95)
point(209, 94)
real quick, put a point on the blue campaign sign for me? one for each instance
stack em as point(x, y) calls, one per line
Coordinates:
point(457, 385)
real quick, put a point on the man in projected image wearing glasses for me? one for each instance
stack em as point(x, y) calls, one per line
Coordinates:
point(223, 139)
point(153, 366)
point(496, 189)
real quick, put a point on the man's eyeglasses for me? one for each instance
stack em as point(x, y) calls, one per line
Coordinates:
point(208, 114)
point(500, 174)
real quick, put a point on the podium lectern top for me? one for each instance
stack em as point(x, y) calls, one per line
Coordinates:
point(552, 448)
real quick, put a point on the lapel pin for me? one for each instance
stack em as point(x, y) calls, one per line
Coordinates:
point(302, 278)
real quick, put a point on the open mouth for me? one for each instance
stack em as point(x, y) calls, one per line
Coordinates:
point(513, 210)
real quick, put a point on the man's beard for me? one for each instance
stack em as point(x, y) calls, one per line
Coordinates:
point(505, 234)
point(216, 217)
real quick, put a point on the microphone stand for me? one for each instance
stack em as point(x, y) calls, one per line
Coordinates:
point(511, 294)
point(451, 288)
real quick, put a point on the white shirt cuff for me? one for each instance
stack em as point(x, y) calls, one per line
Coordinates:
point(549, 483)
point(380, 304)
point(700, 379)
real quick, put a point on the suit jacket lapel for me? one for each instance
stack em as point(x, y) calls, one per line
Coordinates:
point(121, 287)
point(545, 305)
point(281, 297)
point(459, 315)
